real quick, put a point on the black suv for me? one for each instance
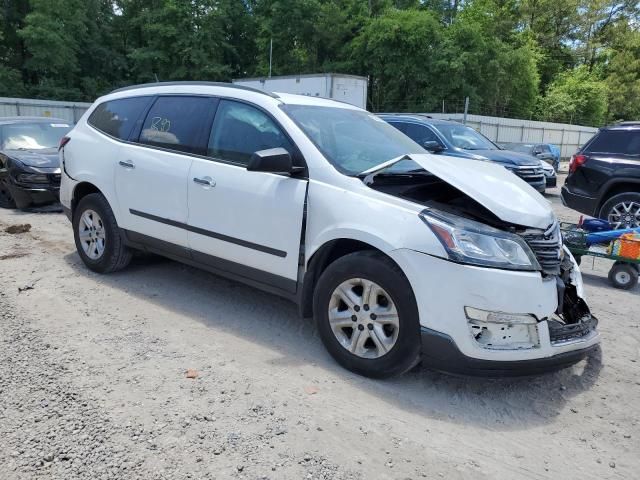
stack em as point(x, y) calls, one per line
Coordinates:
point(604, 176)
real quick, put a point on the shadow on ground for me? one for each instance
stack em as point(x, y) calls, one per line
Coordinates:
point(497, 404)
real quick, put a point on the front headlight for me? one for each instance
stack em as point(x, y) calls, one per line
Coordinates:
point(475, 243)
point(33, 178)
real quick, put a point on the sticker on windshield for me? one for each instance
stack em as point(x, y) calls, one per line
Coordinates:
point(60, 125)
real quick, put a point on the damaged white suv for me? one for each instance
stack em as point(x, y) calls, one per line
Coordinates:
point(398, 254)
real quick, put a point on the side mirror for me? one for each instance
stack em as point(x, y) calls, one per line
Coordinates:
point(273, 160)
point(432, 146)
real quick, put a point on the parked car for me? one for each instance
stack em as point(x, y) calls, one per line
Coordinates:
point(393, 251)
point(544, 151)
point(29, 165)
point(457, 140)
point(604, 176)
point(549, 174)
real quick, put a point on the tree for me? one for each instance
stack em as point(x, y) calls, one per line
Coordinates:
point(623, 76)
point(576, 96)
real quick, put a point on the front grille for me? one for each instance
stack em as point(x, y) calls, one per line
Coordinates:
point(547, 247)
point(530, 174)
point(54, 179)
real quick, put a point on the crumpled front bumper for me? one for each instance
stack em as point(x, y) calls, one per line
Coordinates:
point(445, 291)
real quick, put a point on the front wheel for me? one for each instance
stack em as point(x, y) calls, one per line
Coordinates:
point(367, 315)
point(97, 235)
point(6, 199)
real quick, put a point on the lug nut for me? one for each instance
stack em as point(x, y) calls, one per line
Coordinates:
point(354, 318)
point(370, 326)
point(360, 327)
point(373, 316)
point(366, 307)
point(356, 308)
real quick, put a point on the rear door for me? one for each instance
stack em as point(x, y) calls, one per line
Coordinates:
point(152, 171)
point(246, 223)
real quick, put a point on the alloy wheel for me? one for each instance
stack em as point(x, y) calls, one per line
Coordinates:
point(625, 215)
point(92, 235)
point(363, 318)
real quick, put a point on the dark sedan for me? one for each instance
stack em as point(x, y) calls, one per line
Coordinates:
point(457, 140)
point(29, 165)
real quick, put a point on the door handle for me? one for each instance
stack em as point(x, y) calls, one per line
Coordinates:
point(128, 164)
point(205, 181)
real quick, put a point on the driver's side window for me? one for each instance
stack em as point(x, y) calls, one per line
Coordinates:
point(420, 133)
point(239, 130)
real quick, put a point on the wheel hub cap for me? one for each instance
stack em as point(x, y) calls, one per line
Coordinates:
point(92, 235)
point(625, 215)
point(363, 318)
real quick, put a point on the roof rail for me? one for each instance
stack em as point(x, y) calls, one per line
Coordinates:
point(405, 113)
point(204, 84)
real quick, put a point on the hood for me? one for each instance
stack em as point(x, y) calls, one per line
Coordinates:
point(507, 196)
point(507, 157)
point(43, 158)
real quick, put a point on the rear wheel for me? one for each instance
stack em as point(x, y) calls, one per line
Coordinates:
point(97, 235)
point(6, 199)
point(367, 315)
point(622, 210)
point(623, 275)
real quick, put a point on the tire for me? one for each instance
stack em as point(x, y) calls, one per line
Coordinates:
point(615, 208)
point(396, 349)
point(623, 275)
point(109, 253)
point(6, 199)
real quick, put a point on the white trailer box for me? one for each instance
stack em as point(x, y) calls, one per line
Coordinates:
point(345, 88)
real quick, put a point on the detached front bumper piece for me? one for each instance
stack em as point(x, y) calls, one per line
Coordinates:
point(440, 352)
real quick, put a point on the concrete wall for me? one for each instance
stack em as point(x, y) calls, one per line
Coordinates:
point(506, 130)
point(25, 107)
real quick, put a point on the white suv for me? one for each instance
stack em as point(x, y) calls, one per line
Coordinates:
point(397, 253)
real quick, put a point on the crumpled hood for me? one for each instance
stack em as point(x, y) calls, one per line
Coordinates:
point(506, 156)
point(507, 196)
point(43, 158)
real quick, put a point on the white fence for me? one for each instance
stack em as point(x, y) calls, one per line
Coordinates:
point(510, 130)
point(25, 107)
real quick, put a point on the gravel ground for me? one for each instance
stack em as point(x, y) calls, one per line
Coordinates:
point(93, 384)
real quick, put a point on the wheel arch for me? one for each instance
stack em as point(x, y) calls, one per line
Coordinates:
point(616, 187)
point(321, 258)
point(80, 191)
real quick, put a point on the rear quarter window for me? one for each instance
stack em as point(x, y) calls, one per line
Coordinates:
point(118, 117)
point(617, 142)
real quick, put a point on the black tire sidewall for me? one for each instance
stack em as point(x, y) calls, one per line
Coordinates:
point(381, 270)
point(631, 270)
point(99, 204)
point(611, 202)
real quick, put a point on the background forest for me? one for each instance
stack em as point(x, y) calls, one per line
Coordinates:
point(574, 61)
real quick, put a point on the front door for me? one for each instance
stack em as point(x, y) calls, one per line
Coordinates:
point(246, 223)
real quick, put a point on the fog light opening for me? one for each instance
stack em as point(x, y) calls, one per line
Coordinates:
point(502, 331)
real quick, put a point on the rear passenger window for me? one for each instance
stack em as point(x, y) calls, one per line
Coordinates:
point(622, 142)
point(420, 133)
point(178, 123)
point(118, 117)
point(239, 130)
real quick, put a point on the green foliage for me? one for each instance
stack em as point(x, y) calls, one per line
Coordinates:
point(569, 60)
point(576, 96)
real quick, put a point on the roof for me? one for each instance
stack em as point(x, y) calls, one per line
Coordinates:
point(6, 120)
point(191, 83)
point(418, 117)
point(305, 75)
point(631, 125)
point(219, 88)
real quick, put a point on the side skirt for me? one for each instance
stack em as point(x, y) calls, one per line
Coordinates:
point(265, 281)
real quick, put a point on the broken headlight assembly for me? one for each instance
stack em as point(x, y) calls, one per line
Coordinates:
point(474, 243)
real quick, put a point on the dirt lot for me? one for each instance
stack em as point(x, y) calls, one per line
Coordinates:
point(93, 385)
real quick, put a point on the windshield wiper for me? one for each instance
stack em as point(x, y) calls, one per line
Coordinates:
point(370, 173)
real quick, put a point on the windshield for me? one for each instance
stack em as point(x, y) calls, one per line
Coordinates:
point(353, 140)
point(32, 136)
point(466, 138)
point(518, 147)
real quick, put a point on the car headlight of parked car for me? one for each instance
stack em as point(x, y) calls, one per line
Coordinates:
point(467, 241)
